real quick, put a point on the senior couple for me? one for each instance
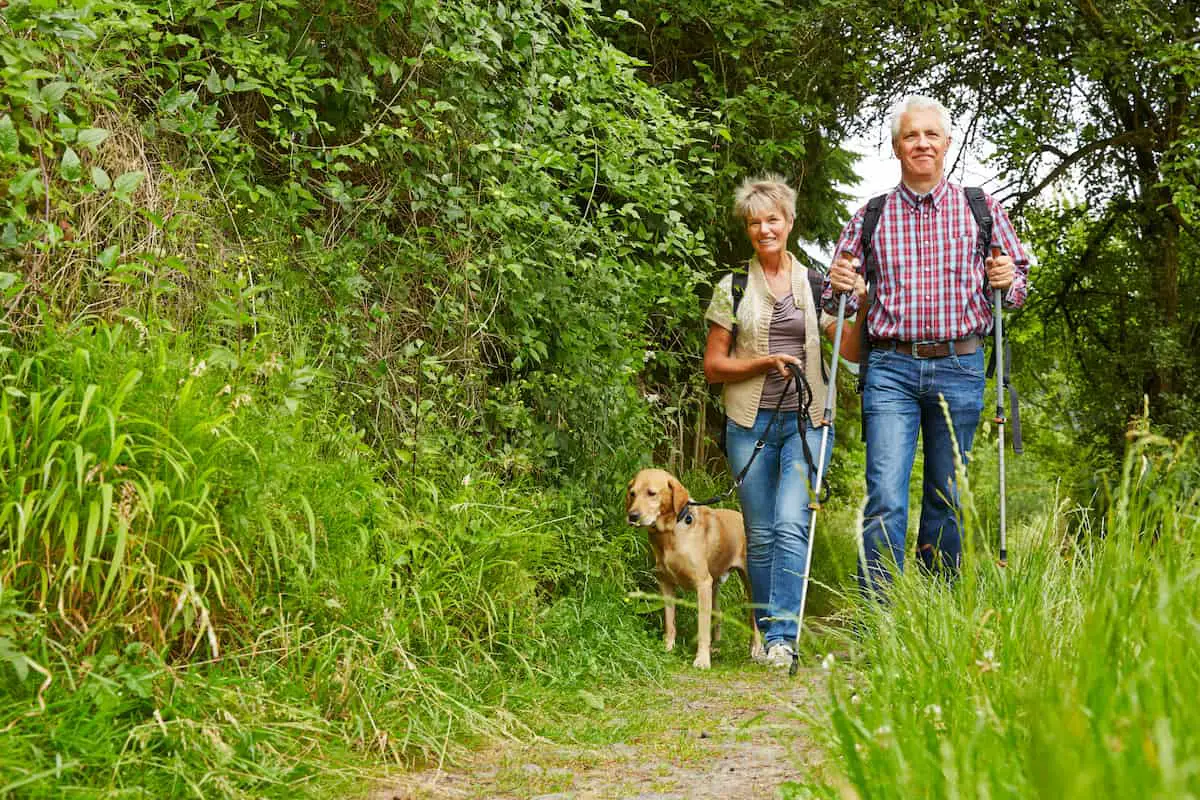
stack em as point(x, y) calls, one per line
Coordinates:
point(933, 289)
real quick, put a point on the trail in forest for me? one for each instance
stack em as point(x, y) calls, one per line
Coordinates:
point(732, 733)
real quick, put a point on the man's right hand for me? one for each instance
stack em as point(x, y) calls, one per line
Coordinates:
point(843, 274)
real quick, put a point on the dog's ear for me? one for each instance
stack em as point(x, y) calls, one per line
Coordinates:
point(679, 496)
point(629, 493)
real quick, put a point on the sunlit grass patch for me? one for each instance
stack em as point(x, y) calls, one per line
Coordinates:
point(1063, 675)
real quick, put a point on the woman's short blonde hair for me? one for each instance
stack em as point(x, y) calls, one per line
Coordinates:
point(764, 193)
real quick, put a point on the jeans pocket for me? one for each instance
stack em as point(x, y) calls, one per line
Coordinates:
point(971, 364)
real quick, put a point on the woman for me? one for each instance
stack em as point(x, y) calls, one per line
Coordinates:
point(777, 323)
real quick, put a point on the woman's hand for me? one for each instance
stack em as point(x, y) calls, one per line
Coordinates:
point(780, 361)
point(721, 367)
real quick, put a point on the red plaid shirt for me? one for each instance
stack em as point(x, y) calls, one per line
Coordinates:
point(932, 281)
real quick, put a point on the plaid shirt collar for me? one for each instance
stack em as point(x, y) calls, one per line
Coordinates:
point(936, 195)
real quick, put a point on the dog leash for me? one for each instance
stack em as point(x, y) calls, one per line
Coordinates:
point(804, 390)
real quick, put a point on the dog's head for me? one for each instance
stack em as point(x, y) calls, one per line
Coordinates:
point(654, 498)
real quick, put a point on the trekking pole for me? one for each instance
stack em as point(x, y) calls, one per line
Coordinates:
point(1000, 418)
point(814, 504)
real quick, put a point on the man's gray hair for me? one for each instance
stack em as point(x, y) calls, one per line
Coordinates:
point(762, 193)
point(919, 102)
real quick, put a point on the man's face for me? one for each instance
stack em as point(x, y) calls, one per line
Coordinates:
point(921, 146)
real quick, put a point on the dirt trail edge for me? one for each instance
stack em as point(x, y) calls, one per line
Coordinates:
point(730, 733)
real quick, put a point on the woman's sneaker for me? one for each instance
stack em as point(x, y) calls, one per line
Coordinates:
point(780, 655)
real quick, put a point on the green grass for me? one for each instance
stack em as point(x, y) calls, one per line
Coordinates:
point(1068, 674)
point(212, 587)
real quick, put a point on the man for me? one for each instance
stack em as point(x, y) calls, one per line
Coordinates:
point(932, 308)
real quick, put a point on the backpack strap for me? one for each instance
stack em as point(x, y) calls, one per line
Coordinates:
point(816, 282)
point(983, 217)
point(983, 220)
point(870, 222)
point(738, 289)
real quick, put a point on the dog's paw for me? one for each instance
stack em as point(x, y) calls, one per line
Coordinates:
point(702, 661)
point(757, 652)
point(669, 644)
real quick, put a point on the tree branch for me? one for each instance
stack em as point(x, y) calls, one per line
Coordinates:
point(1121, 139)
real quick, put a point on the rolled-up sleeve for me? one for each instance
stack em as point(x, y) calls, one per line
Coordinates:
point(1005, 237)
point(849, 242)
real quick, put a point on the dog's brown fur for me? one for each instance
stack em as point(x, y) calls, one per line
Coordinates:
point(696, 554)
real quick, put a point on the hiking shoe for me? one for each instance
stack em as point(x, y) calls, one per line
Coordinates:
point(780, 655)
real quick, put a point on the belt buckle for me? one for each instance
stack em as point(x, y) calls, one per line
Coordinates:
point(929, 349)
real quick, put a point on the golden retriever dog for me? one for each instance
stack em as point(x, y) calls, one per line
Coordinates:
point(695, 549)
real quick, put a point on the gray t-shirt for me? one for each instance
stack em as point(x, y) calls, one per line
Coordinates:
point(787, 336)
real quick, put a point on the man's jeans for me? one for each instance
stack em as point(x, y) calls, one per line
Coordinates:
point(774, 498)
point(903, 396)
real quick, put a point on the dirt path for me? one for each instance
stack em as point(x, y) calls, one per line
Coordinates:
point(731, 733)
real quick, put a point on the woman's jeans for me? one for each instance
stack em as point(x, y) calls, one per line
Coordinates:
point(903, 397)
point(774, 498)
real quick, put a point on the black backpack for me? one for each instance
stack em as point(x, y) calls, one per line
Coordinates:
point(816, 281)
point(983, 220)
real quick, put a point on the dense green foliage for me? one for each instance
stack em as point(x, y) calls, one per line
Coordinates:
point(330, 332)
point(1098, 101)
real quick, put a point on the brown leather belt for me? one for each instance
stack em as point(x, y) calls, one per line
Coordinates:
point(962, 347)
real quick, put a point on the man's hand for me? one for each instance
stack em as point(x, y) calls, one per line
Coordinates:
point(999, 270)
point(843, 274)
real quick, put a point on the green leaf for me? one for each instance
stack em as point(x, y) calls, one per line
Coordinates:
point(10, 143)
point(14, 657)
point(100, 179)
point(8, 280)
point(92, 137)
point(53, 92)
point(21, 184)
point(71, 168)
point(108, 256)
point(125, 185)
point(213, 81)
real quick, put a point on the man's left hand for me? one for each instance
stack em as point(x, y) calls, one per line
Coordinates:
point(1000, 271)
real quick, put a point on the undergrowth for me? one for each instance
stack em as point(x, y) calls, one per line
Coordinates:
point(1064, 674)
point(211, 590)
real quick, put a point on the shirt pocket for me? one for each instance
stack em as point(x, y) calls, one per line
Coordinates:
point(960, 263)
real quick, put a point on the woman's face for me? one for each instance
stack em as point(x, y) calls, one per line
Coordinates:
point(768, 230)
